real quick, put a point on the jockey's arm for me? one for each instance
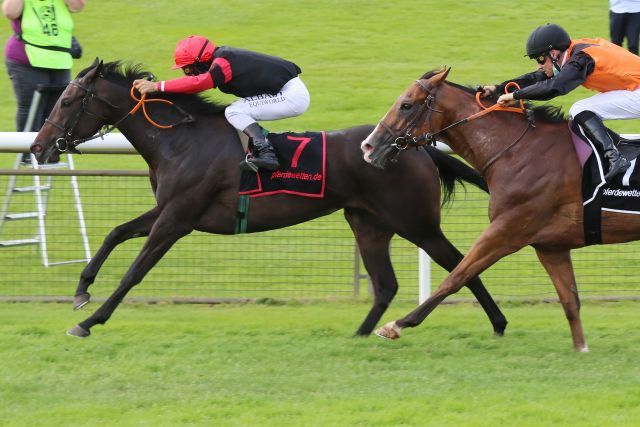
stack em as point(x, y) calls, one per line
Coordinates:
point(523, 81)
point(219, 73)
point(572, 74)
point(186, 84)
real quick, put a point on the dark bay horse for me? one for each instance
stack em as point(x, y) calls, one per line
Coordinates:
point(195, 179)
point(534, 180)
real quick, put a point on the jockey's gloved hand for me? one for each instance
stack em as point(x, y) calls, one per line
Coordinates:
point(487, 91)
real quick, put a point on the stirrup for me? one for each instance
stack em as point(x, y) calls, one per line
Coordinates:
point(248, 165)
point(617, 167)
point(265, 159)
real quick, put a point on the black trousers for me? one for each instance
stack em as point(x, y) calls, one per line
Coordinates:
point(623, 25)
point(25, 79)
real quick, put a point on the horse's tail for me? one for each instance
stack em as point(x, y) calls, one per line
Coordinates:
point(452, 170)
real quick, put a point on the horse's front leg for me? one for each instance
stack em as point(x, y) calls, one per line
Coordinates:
point(373, 241)
point(447, 256)
point(491, 246)
point(560, 269)
point(163, 235)
point(138, 227)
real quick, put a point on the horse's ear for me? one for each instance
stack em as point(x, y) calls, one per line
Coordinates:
point(95, 62)
point(99, 66)
point(94, 70)
point(439, 77)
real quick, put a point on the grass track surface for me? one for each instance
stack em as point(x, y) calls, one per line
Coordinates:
point(296, 364)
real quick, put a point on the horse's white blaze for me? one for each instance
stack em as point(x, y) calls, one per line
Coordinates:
point(366, 147)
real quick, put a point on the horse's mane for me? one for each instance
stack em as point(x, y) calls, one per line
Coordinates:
point(124, 74)
point(545, 113)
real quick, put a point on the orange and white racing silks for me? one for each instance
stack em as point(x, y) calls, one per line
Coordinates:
point(616, 68)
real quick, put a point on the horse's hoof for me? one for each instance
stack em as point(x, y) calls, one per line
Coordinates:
point(78, 331)
point(80, 301)
point(389, 331)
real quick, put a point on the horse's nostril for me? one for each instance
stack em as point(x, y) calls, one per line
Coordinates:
point(35, 149)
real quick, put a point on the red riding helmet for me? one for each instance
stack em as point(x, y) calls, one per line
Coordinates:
point(193, 49)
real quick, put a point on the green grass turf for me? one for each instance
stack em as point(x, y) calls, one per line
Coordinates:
point(296, 364)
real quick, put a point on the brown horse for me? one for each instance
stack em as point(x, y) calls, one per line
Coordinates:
point(534, 181)
point(195, 180)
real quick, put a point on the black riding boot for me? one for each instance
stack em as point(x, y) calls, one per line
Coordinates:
point(262, 154)
point(597, 132)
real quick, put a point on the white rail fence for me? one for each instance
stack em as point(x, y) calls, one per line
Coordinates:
point(602, 271)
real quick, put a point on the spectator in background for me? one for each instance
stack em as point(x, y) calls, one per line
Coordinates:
point(38, 51)
point(624, 21)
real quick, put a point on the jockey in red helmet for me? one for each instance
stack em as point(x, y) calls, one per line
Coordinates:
point(599, 65)
point(269, 88)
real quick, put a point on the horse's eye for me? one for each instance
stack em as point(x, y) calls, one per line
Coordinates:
point(406, 106)
point(65, 102)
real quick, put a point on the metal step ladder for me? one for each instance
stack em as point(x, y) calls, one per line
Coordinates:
point(41, 192)
point(41, 188)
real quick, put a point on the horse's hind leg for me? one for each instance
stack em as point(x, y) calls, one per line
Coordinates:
point(138, 227)
point(447, 256)
point(162, 236)
point(560, 269)
point(373, 241)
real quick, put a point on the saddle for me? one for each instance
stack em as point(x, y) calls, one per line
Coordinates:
point(621, 194)
point(302, 172)
point(628, 147)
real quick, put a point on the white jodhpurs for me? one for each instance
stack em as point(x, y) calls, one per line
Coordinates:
point(612, 105)
point(292, 100)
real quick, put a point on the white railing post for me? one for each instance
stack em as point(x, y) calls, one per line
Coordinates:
point(424, 276)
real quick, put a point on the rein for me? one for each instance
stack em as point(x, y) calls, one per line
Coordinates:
point(403, 142)
point(484, 169)
point(66, 143)
point(142, 102)
point(429, 137)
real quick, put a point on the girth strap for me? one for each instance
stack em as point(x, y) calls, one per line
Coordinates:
point(242, 214)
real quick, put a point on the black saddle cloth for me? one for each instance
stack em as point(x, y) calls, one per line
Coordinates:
point(621, 194)
point(302, 172)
